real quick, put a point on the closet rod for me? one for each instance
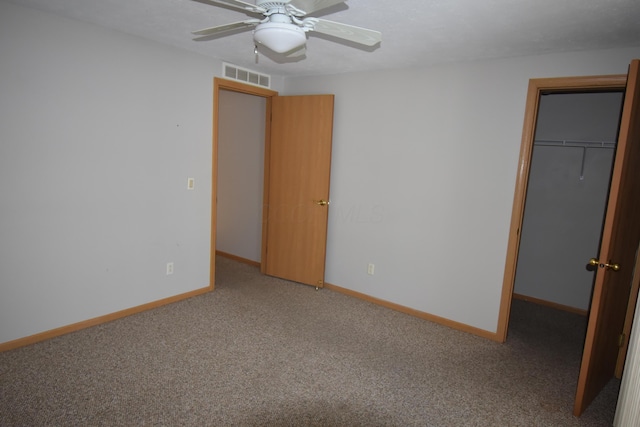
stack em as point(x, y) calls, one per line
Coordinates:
point(570, 143)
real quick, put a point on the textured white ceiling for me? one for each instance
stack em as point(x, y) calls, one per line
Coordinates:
point(415, 33)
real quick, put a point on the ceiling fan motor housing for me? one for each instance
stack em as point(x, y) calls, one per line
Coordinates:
point(271, 4)
point(280, 37)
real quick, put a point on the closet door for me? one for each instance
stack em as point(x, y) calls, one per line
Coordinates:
point(615, 267)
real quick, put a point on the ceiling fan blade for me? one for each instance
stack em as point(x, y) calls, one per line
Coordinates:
point(238, 4)
point(310, 6)
point(343, 31)
point(228, 27)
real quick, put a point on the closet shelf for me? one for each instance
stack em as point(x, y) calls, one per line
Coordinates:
point(570, 143)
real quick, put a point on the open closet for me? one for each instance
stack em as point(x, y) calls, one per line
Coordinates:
point(571, 163)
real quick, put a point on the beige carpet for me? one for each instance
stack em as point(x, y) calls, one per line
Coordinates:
point(265, 352)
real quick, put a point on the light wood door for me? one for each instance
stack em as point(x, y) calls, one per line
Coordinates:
point(298, 189)
point(620, 238)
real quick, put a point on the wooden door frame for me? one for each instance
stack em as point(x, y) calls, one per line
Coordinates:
point(233, 86)
point(536, 88)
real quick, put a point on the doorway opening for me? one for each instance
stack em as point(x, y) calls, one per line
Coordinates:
point(595, 347)
point(537, 89)
point(296, 174)
point(220, 86)
point(569, 178)
point(240, 176)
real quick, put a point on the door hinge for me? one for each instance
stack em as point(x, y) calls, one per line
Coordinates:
point(621, 340)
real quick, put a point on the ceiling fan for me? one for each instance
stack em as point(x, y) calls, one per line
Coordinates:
point(284, 24)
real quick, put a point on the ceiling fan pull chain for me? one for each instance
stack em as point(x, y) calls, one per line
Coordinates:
point(255, 50)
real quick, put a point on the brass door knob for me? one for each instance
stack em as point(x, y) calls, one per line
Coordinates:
point(321, 202)
point(594, 264)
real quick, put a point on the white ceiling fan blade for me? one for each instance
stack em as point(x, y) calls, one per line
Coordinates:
point(310, 6)
point(347, 32)
point(238, 4)
point(228, 27)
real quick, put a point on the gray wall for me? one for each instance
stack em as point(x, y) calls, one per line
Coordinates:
point(423, 176)
point(564, 213)
point(240, 174)
point(100, 131)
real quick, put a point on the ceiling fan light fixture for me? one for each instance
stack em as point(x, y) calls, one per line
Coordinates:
point(279, 37)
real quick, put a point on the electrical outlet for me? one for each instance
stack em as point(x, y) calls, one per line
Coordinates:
point(169, 268)
point(370, 269)
point(191, 183)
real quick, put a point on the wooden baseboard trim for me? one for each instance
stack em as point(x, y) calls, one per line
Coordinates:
point(416, 313)
point(237, 258)
point(42, 336)
point(551, 304)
